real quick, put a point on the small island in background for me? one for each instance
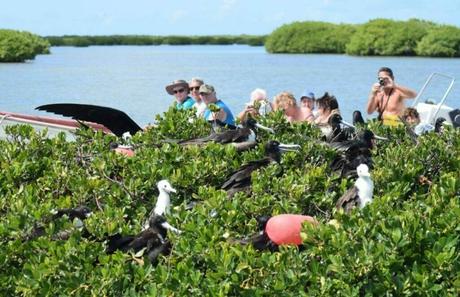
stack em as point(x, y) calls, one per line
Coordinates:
point(378, 37)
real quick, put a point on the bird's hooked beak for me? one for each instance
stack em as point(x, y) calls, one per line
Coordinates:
point(289, 147)
point(347, 124)
point(171, 190)
point(259, 126)
point(380, 137)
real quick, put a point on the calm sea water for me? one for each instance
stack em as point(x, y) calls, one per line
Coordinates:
point(132, 78)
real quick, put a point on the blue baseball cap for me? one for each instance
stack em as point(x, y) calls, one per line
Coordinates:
point(308, 94)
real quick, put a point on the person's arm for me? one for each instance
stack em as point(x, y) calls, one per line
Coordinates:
point(248, 109)
point(372, 101)
point(406, 93)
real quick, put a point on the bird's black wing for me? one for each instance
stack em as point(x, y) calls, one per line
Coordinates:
point(115, 120)
point(348, 200)
point(198, 141)
point(149, 238)
point(229, 136)
point(119, 242)
point(242, 176)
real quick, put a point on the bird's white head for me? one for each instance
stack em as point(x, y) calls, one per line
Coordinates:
point(363, 170)
point(163, 201)
point(165, 187)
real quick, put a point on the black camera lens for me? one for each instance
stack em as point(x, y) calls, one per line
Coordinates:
point(381, 82)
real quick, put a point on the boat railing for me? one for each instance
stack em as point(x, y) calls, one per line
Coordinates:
point(443, 99)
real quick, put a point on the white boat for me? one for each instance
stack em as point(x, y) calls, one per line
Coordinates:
point(54, 126)
point(429, 112)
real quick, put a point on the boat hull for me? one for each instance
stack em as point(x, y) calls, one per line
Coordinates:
point(54, 126)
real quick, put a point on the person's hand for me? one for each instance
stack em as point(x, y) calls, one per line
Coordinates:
point(375, 88)
point(389, 83)
point(251, 110)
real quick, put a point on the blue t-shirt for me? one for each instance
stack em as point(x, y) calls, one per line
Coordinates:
point(230, 120)
point(187, 104)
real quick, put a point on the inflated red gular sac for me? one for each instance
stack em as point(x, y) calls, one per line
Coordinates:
point(283, 229)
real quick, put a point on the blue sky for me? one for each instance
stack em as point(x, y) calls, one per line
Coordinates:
point(202, 17)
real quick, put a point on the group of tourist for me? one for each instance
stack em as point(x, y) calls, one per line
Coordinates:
point(386, 97)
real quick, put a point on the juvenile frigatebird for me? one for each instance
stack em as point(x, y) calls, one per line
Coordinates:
point(153, 237)
point(278, 230)
point(247, 133)
point(240, 179)
point(361, 192)
point(115, 120)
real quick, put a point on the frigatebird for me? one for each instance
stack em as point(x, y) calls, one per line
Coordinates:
point(115, 120)
point(364, 139)
point(361, 192)
point(278, 230)
point(339, 134)
point(76, 215)
point(153, 237)
point(346, 162)
point(247, 133)
point(240, 179)
point(357, 118)
point(354, 152)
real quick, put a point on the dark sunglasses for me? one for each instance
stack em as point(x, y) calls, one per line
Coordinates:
point(194, 88)
point(178, 91)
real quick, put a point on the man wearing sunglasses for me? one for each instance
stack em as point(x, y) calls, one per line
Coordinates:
point(180, 90)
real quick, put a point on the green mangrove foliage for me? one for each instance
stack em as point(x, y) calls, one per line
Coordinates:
point(74, 40)
point(379, 37)
point(383, 37)
point(406, 242)
point(19, 46)
point(443, 41)
point(309, 37)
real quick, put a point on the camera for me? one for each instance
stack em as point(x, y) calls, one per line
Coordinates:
point(381, 81)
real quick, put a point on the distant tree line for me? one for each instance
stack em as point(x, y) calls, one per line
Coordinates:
point(74, 40)
point(379, 37)
point(18, 46)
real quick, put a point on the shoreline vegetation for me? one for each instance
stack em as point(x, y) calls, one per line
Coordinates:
point(378, 37)
point(83, 41)
point(19, 46)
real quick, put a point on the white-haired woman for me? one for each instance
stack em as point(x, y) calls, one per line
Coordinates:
point(258, 105)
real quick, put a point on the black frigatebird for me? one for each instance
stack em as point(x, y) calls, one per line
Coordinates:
point(358, 118)
point(339, 133)
point(247, 133)
point(240, 179)
point(115, 120)
point(283, 229)
point(354, 152)
point(76, 215)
